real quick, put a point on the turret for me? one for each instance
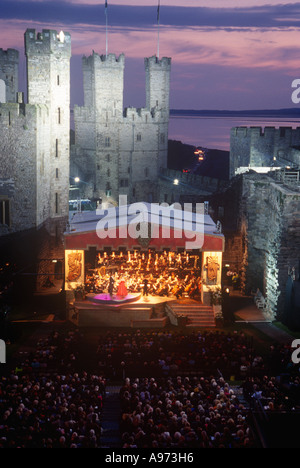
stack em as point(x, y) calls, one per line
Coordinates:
point(103, 83)
point(48, 65)
point(158, 83)
point(48, 82)
point(9, 75)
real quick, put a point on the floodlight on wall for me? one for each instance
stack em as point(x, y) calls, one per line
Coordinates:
point(61, 36)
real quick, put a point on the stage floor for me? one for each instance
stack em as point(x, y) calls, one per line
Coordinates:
point(146, 311)
point(142, 301)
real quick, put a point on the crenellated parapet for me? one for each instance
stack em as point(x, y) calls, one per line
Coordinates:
point(13, 114)
point(103, 60)
point(9, 55)
point(9, 76)
point(154, 63)
point(262, 147)
point(47, 42)
point(143, 115)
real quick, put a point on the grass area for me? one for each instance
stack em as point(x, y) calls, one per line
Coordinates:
point(281, 326)
point(26, 313)
point(261, 342)
point(20, 334)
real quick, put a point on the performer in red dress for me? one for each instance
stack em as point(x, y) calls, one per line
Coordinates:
point(122, 290)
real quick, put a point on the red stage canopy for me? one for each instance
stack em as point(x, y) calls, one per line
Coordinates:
point(87, 228)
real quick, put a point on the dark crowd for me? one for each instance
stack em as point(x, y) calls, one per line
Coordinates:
point(175, 390)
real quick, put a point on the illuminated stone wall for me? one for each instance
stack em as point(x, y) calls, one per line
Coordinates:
point(272, 214)
point(24, 148)
point(120, 152)
point(34, 137)
point(259, 147)
point(261, 224)
point(48, 73)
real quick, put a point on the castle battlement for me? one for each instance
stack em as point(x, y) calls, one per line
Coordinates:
point(10, 113)
point(102, 60)
point(83, 111)
point(263, 147)
point(9, 69)
point(140, 114)
point(47, 42)
point(263, 131)
point(162, 64)
point(9, 55)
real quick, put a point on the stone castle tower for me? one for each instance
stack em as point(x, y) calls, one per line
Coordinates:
point(48, 80)
point(9, 75)
point(121, 151)
point(34, 137)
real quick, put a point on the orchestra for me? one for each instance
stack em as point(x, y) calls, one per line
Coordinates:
point(164, 273)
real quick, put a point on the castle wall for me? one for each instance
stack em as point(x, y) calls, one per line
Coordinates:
point(106, 75)
point(158, 83)
point(258, 147)
point(295, 156)
point(24, 172)
point(262, 232)
point(130, 146)
point(271, 211)
point(35, 137)
point(2, 92)
point(9, 73)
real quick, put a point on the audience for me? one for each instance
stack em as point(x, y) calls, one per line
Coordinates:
point(183, 412)
point(175, 391)
point(61, 411)
point(164, 353)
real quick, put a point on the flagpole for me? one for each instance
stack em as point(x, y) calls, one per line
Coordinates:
point(158, 11)
point(106, 28)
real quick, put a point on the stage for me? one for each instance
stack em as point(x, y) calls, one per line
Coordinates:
point(106, 299)
point(145, 312)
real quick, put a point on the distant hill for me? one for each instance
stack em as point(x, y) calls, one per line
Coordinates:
point(181, 157)
point(288, 113)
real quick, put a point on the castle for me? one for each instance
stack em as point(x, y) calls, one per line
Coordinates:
point(261, 210)
point(121, 151)
point(34, 148)
point(269, 147)
point(116, 152)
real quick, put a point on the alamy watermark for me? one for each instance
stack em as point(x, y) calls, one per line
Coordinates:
point(2, 352)
point(296, 94)
point(296, 353)
point(153, 221)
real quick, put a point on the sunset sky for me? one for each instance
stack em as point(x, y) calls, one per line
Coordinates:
point(226, 54)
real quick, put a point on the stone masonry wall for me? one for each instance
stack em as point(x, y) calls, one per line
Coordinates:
point(125, 149)
point(9, 73)
point(23, 176)
point(273, 237)
point(48, 72)
point(258, 147)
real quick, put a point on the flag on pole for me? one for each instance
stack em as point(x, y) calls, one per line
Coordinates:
point(106, 28)
point(158, 8)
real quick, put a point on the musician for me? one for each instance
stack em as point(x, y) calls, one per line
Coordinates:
point(111, 285)
point(145, 290)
